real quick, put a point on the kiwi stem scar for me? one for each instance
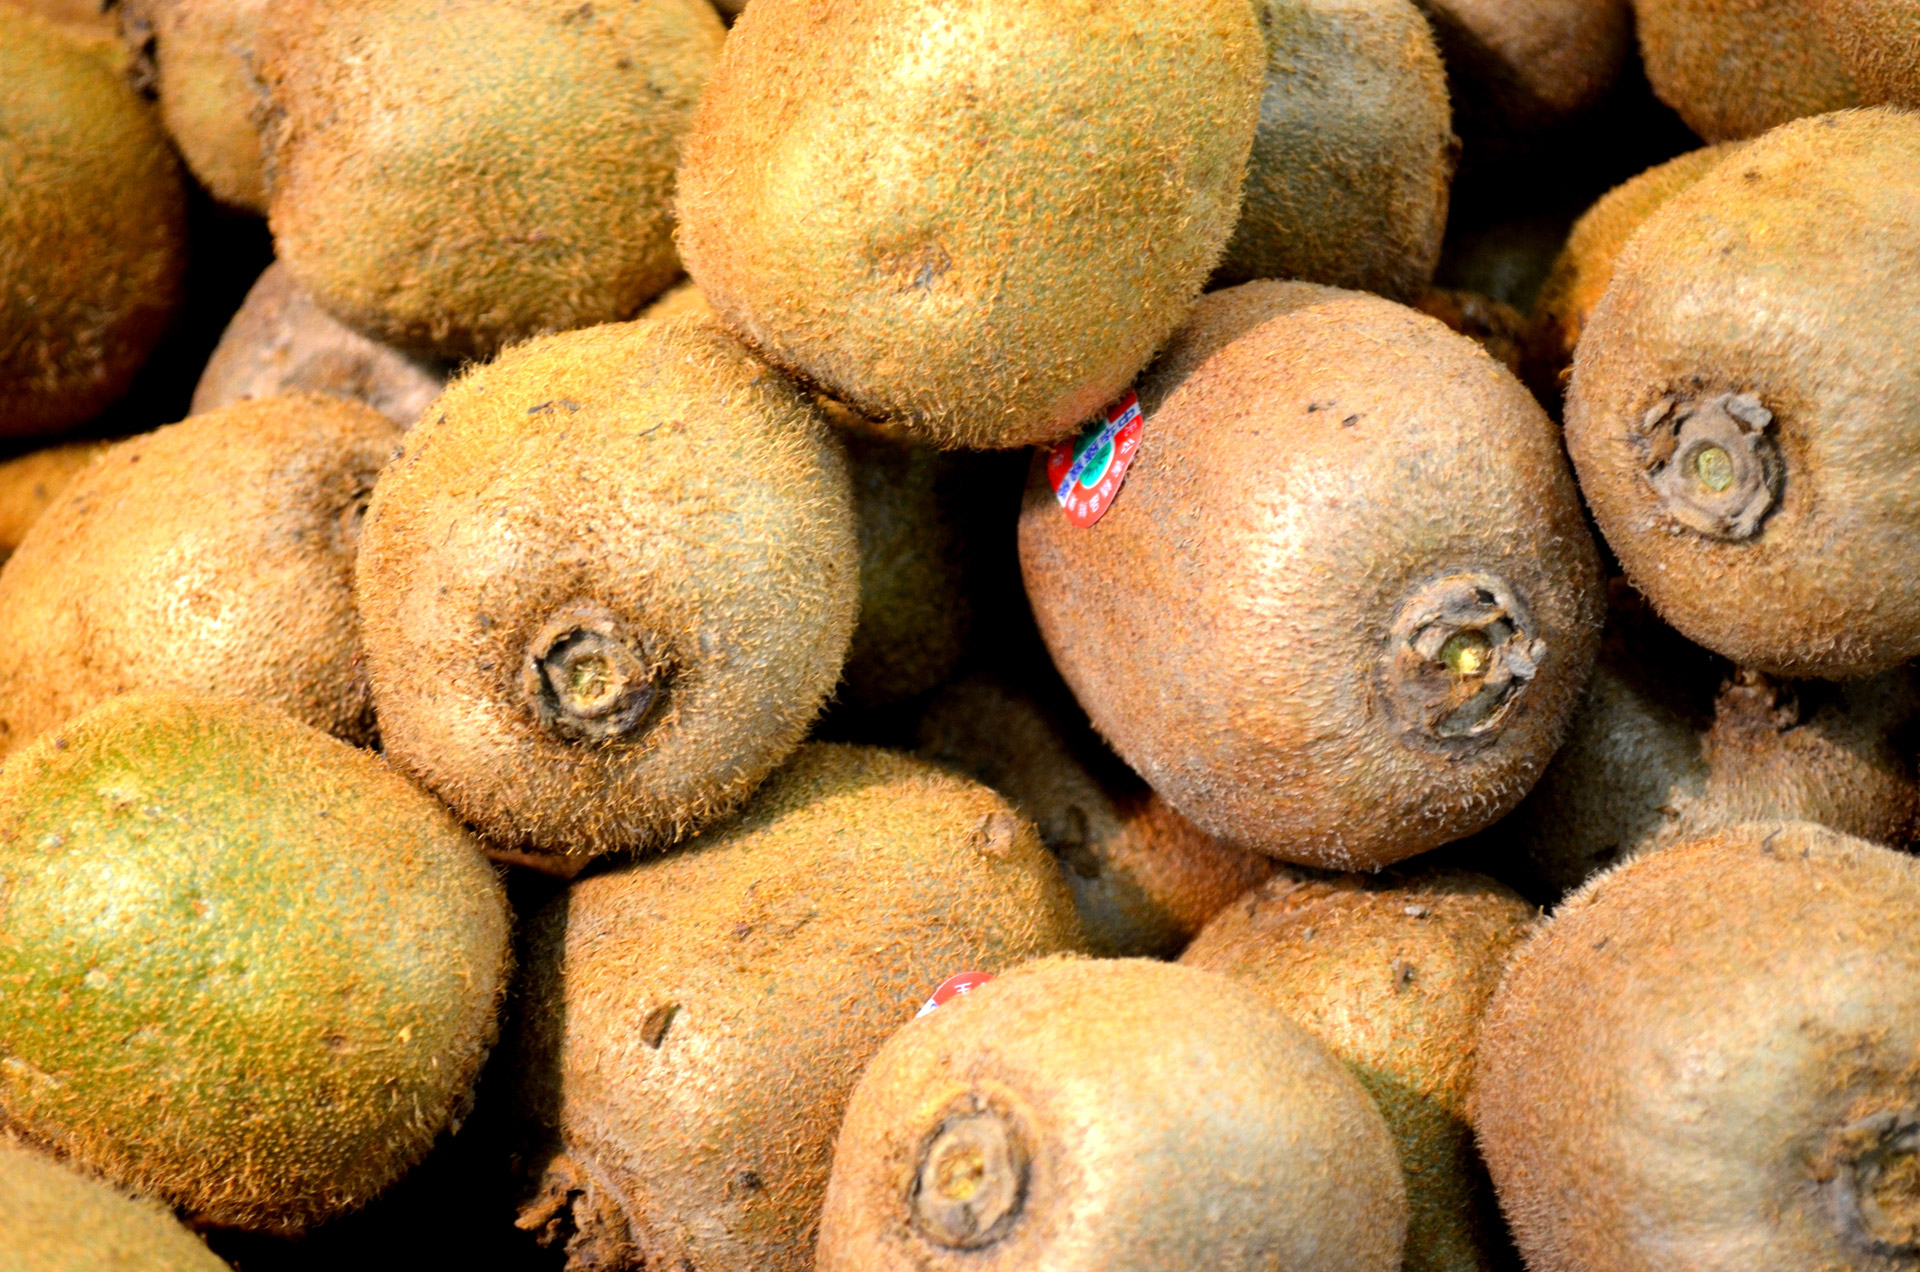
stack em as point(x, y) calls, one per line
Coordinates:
point(972, 1179)
point(587, 679)
point(1712, 462)
point(1460, 654)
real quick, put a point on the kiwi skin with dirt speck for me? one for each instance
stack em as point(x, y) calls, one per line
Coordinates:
point(58, 1220)
point(199, 57)
point(1736, 68)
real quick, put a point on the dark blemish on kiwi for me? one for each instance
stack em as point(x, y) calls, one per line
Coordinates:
point(653, 1030)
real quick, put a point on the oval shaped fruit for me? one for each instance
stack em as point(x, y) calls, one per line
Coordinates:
point(1110, 1116)
point(1706, 1059)
point(1518, 67)
point(606, 586)
point(1735, 413)
point(200, 57)
point(1341, 609)
point(974, 223)
point(1880, 42)
point(693, 1024)
point(58, 1220)
point(245, 966)
point(1735, 68)
point(30, 483)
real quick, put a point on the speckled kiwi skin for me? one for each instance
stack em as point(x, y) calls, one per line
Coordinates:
point(1880, 42)
point(1715, 295)
point(450, 178)
point(974, 220)
point(1311, 460)
point(657, 470)
point(93, 233)
point(774, 955)
point(1735, 68)
point(1392, 975)
point(246, 967)
point(1171, 1118)
point(1665, 1075)
point(30, 483)
point(58, 1220)
point(214, 555)
point(202, 57)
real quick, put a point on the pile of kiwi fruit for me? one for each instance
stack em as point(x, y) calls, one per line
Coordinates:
point(905, 635)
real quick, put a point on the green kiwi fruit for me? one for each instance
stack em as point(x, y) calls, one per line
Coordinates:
point(1342, 608)
point(1706, 1060)
point(213, 555)
point(1392, 974)
point(198, 56)
point(1492, 324)
point(1735, 68)
point(682, 300)
point(58, 1220)
point(93, 231)
point(692, 1024)
point(1348, 179)
point(1519, 67)
point(247, 967)
point(450, 178)
point(605, 587)
point(30, 483)
point(1734, 413)
point(1110, 1116)
point(974, 223)
point(1880, 42)
point(279, 342)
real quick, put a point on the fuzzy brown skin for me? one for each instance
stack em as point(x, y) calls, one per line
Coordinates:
point(1520, 68)
point(31, 482)
point(1168, 1117)
point(1712, 305)
point(655, 475)
point(199, 56)
point(693, 1024)
point(975, 220)
point(84, 18)
point(58, 1220)
point(451, 178)
point(213, 555)
point(1392, 975)
point(281, 342)
point(248, 968)
point(683, 300)
point(1353, 158)
point(1735, 68)
point(1880, 42)
point(93, 233)
point(1492, 324)
point(1706, 1058)
point(1249, 624)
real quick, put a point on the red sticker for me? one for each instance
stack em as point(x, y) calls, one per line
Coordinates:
point(951, 988)
point(1086, 472)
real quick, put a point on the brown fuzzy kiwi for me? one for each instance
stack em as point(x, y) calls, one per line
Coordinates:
point(58, 1220)
point(93, 231)
point(1709, 1058)
point(281, 342)
point(198, 56)
point(1342, 608)
point(683, 300)
point(30, 483)
point(1880, 42)
point(606, 585)
point(1492, 324)
point(1393, 975)
point(247, 967)
point(1518, 67)
point(1110, 1116)
point(1144, 878)
point(976, 223)
point(450, 178)
point(1348, 180)
point(82, 19)
point(1747, 395)
point(693, 1024)
point(1735, 68)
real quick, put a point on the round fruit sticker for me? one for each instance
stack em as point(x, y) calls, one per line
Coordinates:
point(951, 988)
point(1086, 472)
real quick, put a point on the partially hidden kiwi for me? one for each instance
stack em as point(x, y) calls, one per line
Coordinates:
point(30, 483)
point(1110, 1116)
point(682, 300)
point(1392, 975)
point(1492, 324)
point(214, 555)
point(1706, 1059)
point(198, 56)
point(58, 1220)
point(693, 1024)
point(1880, 42)
point(1519, 67)
point(247, 968)
point(1342, 607)
point(1735, 68)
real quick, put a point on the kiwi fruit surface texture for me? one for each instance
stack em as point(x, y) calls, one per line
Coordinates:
point(1343, 606)
point(247, 968)
point(1733, 414)
point(683, 300)
point(1735, 68)
point(975, 221)
point(693, 1023)
point(93, 233)
point(1709, 1058)
point(1494, 325)
point(30, 483)
point(606, 585)
point(1110, 1116)
point(449, 178)
point(1392, 975)
point(58, 1220)
point(214, 555)
point(199, 57)
point(1518, 67)
point(1347, 183)
point(1880, 42)
point(281, 342)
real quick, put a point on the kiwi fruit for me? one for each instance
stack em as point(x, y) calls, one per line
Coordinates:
point(693, 1023)
point(58, 1220)
point(1110, 1116)
point(80, 18)
point(1733, 413)
point(198, 56)
point(93, 230)
point(1506, 260)
point(30, 483)
point(1392, 974)
point(454, 177)
point(1736, 68)
point(1492, 324)
point(249, 969)
point(1879, 40)
point(280, 342)
point(1347, 182)
point(1706, 1060)
point(975, 224)
point(1342, 608)
point(212, 555)
point(682, 300)
point(1517, 68)
point(605, 587)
